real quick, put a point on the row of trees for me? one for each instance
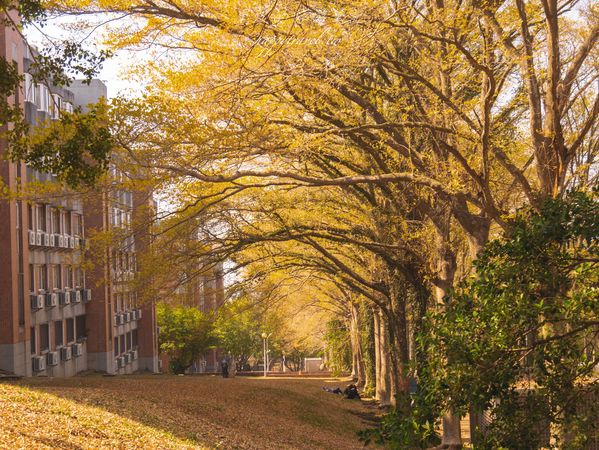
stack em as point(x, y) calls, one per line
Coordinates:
point(371, 152)
point(186, 335)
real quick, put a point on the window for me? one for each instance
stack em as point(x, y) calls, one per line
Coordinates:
point(134, 338)
point(78, 277)
point(57, 278)
point(68, 276)
point(116, 346)
point(42, 103)
point(58, 337)
point(42, 277)
point(128, 339)
point(44, 337)
point(18, 215)
point(33, 348)
point(70, 330)
point(80, 327)
point(29, 88)
point(30, 216)
point(31, 278)
point(41, 218)
point(55, 214)
point(67, 222)
point(56, 106)
point(122, 344)
point(78, 224)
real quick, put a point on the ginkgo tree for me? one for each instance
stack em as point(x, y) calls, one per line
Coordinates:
point(430, 123)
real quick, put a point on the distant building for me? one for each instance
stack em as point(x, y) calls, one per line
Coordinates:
point(207, 293)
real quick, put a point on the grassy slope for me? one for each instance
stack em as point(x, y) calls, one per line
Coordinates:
point(177, 412)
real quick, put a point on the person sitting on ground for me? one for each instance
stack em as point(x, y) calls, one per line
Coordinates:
point(332, 391)
point(351, 392)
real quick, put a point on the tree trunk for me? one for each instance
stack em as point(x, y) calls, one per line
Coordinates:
point(383, 392)
point(446, 268)
point(358, 372)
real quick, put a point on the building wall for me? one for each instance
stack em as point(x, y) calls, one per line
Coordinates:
point(59, 337)
point(14, 320)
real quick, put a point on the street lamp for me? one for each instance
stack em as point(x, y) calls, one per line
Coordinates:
point(265, 339)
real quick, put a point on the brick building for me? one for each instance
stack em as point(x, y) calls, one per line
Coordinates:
point(56, 319)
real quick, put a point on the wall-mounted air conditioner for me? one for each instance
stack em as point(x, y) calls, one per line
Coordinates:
point(71, 242)
point(51, 299)
point(138, 313)
point(38, 238)
point(66, 353)
point(39, 363)
point(76, 296)
point(46, 240)
point(86, 295)
point(77, 349)
point(31, 237)
point(52, 358)
point(134, 355)
point(37, 301)
point(60, 241)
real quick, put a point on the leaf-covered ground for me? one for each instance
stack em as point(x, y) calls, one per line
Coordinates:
point(164, 412)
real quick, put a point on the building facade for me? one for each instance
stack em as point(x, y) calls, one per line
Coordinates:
point(58, 316)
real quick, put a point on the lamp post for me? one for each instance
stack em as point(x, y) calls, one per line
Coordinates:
point(265, 339)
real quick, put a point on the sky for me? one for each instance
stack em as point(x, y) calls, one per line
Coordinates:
point(114, 70)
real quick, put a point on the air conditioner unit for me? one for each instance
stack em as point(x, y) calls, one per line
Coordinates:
point(56, 238)
point(134, 355)
point(52, 358)
point(133, 315)
point(31, 237)
point(52, 299)
point(127, 317)
point(86, 295)
point(60, 241)
point(127, 358)
point(77, 297)
point(66, 353)
point(77, 243)
point(39, 363)
point(67, 297)
point(71, 242)
point(120, 362)
point(77, 349)
point(138, 313)
point(46, 240)
point(37, 301)
point(38, 238)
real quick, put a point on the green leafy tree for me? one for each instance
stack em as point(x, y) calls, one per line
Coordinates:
point(77, 146)
point(185, 334)
point(238, 328)
point(519, 339)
